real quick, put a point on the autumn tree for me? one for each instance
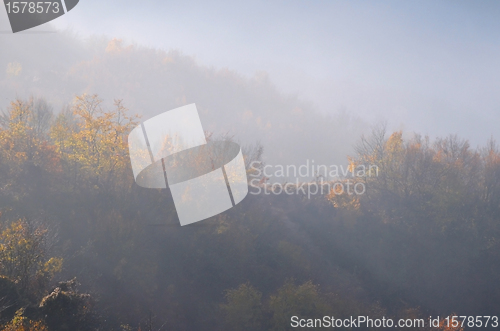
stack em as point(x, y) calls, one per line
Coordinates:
point(303, 300)
point(65, 309)
point(24, 128)
point(26, 153)
point(22, 323)
point(10, 300)
point(243, 310)
point(92, 140)
point(24, 256)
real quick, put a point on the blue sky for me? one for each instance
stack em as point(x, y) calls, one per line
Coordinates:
point(430, 66)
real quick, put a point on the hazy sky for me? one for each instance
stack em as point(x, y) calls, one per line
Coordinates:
point(430, 66)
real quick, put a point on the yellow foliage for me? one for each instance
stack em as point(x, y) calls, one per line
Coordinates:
point(23, 136)
point(93, 140)
point(52, 266)
point(340, 198)
point(23, 251)
point(21, 323)
point(14, 69)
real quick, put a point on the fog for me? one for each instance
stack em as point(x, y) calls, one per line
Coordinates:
point(151, 81)
point(314, 83)
point(426, 66)
point(259, 70)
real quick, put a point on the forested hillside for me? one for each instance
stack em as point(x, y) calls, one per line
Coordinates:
point(82, 247)
point(151, 81)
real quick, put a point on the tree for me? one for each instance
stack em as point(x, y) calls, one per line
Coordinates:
point(243, 310)
point(9, 299)
point(304, 301)
point(67, 310)
point(92, 140)
point(24, 256)
point(25, 151)
point(22, 323)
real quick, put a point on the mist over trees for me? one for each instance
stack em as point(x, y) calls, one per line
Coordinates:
point(82, 247)
point(422, 240)
point(152, 81)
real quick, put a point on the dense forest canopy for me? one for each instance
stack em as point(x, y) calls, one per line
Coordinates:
point(82, 247)
point(367, 133)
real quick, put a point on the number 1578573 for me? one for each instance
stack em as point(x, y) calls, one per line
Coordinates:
point(33, 7)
